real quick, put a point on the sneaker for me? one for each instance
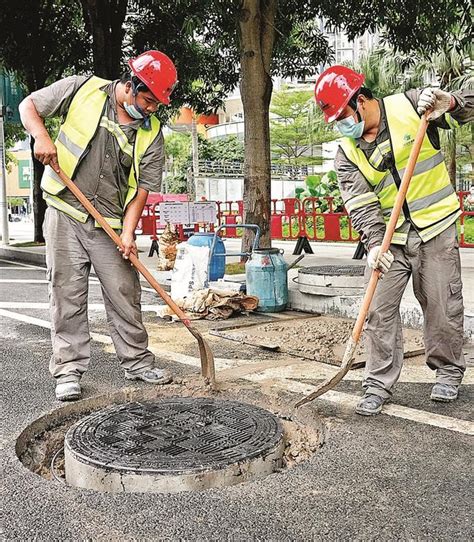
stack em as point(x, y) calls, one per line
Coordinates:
point(152, 376)
point(370, 405)
point(444, 393)
point(68, 391)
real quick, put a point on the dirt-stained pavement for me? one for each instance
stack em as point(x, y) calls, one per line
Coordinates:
point(400, 476)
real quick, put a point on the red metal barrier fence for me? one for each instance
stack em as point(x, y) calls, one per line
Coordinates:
point(318, 219)
point(463, 242)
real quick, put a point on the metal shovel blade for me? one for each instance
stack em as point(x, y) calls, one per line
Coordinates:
point(327, 385)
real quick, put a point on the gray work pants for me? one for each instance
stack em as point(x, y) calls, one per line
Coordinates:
point(71, 249)
point(436, 270)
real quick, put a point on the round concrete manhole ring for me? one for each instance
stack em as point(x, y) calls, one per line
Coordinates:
point(334, 270)
point(172, 445)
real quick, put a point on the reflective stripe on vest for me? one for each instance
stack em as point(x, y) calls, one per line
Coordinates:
point(430, 197)
point(119, 134)
point(61, 205)
point(84, 116)
point(380, 151)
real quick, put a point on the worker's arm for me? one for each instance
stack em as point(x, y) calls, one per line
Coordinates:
point(130, 221)
point(44, 148)
point(360, 201)
point(462, 112)
point(461, 108)
point(51, 101)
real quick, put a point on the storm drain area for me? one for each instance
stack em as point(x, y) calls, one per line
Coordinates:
point(165, 445)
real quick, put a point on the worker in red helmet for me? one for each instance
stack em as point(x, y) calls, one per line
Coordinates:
point(378, 135)
point(111, 144)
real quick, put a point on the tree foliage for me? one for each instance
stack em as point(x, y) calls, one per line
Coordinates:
point(42, 40)
point(179, 155)
point(321, 186)
point(216, 44)
point(296, 127)
point(229, 148)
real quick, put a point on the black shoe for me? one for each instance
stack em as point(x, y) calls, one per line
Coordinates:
point(444, 393)
point(370, 405)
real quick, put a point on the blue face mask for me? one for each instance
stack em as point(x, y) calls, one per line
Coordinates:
point(137, 113)
point(133, 111)
point(350, 128)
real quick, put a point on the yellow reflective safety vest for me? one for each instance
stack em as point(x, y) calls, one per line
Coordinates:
point(431, 201)
point(85, 115)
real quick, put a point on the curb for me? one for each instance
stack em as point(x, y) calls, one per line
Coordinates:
point(38, 258)
point(22, 255)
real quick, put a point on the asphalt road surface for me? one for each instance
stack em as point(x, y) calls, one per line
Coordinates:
point(404, 475)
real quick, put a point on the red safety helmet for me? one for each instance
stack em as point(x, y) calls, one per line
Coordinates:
point(334, 89)
point(157, 72)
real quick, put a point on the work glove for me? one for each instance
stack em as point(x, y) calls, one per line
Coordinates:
point(435, 99)
point(378, 260)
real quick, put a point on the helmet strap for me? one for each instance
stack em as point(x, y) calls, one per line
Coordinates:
point(353, 103)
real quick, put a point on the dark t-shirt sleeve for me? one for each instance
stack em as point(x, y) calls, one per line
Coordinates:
point(151, 165)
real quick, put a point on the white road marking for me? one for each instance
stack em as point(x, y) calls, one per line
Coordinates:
point(26, 319)
point(24, 281)
point(93, 279)
point(397, 411)
point(105, 339)
point(345, 399)
point(26, 265)
point(15, 268)
point(307, 370)
point(45, 306)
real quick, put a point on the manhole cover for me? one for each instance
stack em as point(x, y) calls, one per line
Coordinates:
point(172, 445)
point(334, 270)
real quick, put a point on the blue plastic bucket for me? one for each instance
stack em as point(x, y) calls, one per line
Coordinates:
point(267, 278)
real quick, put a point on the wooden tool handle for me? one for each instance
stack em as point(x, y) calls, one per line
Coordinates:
point(391, 226)
point(118, 241)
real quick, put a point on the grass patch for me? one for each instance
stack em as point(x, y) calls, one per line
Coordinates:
point(27, 244)
point(468, 229)
point(234, 268)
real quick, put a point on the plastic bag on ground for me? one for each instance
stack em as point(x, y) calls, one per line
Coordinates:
point(212, 304)
point(190, 270)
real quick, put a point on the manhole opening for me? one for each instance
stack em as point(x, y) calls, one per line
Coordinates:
point(277, 442)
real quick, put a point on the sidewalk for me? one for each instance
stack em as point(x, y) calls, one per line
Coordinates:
point(324, 254)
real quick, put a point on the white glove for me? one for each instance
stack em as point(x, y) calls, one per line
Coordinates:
point(435, 99)
point(376, 260)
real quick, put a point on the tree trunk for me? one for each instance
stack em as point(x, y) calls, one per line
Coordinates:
point(104, 21)
point(39, 205)
point(199, 189)
point(257, 33)
point(36, 80)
